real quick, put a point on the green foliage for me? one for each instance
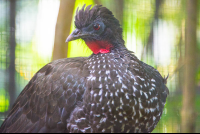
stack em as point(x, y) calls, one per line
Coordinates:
point(171, 118)
point(4, 100)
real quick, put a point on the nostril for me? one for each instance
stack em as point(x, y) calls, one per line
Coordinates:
point(77, 32)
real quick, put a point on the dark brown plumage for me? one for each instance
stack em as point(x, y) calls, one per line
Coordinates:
point(110, 91)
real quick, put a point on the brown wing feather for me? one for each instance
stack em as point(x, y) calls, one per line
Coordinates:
point(46, 102)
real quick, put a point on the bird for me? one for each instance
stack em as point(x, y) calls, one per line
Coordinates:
point(109, 91)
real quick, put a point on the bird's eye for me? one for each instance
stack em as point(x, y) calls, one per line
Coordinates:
point(96, 26)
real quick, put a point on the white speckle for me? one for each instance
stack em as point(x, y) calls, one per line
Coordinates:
point(135, 83)
point(140, 104)
point(117, 108)
point(121, 100)
point(146, 95)
point(100, 72)
point(113, 102)
point(145, 118)
point(147, 110)
point(103, 130)
point(111, 94)
point(157, 106)
point(140, 114)
point(152, 109)
point(102, 108)
point(145, 85)
point(100, 85)
point(91, 78)
point(104, 61)
point(149, 93)
point(139, 100)
point(120, 121)
point(142, 79)
point(153, 85)
point(99, 78)
point(104, 66)
point(97, 115)
point(120, 107)
point(147, 124)
point(91, 92)
point(154, 118)
point(136, 121)
point(109, 110)
point(92, 67)
point(128, 131)
point(112, 129)
point(135, 101)
point(152, 88)
point(140, 86)
point(134, 89)
point(125, 118)
point(92, 104)
point(105, 78)
point(95, 95)
point(120, 114)
point(122, 127)
point(100, 99)
point(124, 86)
point(127, 96)
point(107, 72)
point(124, 112)
point(100, 92)
point(133, 109)
point(106, 86)
point(119, 79)
point(136, 69)
point(106, 94)
point(116, 94)
point(140, 92)
point(122, 90)
point(108, 103)
point(99, 61)
point(153, 80)
point(98, 66)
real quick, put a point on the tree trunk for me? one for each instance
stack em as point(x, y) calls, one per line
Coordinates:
point(63, 28)
point(188, 109)
point(12, 43)
point(149, 47)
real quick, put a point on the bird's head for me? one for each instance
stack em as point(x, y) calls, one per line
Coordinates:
point(99, 29)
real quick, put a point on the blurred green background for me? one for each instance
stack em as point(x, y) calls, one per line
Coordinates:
point(33, 34)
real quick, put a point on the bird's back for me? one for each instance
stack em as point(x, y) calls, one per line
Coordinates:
point(47, 101)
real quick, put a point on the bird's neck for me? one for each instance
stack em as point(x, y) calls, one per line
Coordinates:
point(99, 46)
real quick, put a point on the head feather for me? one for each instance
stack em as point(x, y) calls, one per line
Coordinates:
point(85, 17)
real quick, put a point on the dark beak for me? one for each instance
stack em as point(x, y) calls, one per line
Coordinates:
point(76, 34)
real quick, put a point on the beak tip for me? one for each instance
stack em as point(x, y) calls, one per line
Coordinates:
point(66, 41)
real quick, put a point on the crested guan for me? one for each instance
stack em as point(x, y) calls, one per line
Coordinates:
point(109, 91)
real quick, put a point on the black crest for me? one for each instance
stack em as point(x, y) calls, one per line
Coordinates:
point(85, 17)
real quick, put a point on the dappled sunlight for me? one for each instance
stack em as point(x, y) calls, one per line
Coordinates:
point(45, 27)
point(165, 39)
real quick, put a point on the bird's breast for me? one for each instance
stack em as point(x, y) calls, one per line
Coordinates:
point(120, 93)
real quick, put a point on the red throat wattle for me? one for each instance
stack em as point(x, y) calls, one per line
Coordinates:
point(99, 46)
